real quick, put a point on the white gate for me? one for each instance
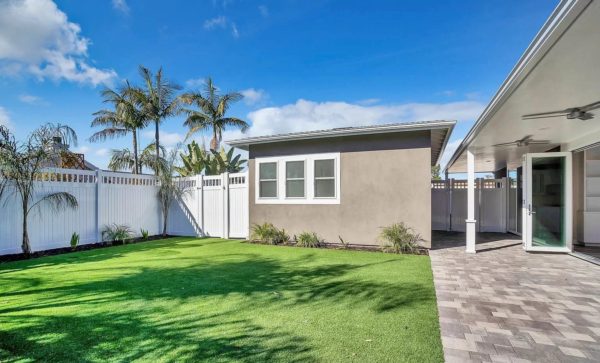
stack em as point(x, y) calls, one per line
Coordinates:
point(216, 206)
point(449, 205)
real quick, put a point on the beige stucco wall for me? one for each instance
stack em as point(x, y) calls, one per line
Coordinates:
point(378, 188)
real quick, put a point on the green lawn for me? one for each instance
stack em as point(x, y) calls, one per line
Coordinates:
point(186, 299)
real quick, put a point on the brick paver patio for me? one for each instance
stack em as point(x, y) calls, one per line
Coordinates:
point(505, 305)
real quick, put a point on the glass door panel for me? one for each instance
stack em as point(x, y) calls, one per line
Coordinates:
point(548, 201)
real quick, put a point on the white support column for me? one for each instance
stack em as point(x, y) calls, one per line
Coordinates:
point(471, 222)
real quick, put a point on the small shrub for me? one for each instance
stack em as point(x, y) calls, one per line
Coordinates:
point(280, 236)
point(345, 245)
point(308, 239)
point(264, 233)
point(116, 233)
point(145, 234)
point(74, 240)
point(399, 238)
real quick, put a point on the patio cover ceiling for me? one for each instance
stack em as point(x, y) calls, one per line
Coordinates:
point(559, 70)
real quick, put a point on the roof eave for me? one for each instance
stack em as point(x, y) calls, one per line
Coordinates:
point(245, 143)
point(558, 22)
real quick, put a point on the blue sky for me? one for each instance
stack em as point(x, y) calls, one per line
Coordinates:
point(301, 64)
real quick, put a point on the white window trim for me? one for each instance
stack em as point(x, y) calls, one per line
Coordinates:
point(303, 179)
point(309, 179)
point(258, 180)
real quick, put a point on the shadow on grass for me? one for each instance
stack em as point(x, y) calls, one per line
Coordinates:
point(129, 337)
point(90, 330)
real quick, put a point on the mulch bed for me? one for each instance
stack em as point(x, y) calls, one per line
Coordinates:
point(339, 246)
point(86, 247)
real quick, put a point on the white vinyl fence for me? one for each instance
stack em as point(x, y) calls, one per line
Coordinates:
point(215, 206)
point(449, 205)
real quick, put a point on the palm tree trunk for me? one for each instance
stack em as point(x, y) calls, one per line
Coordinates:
point(136, 162)
point(26, 246)
point(214, 142)
point(157, 145)
point(165, 219)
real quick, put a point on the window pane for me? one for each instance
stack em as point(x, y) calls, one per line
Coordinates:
point(294, 169)
point(324, 168)
point(268, 189)
point(268, 171)
point(325, 188)
point(294, 188)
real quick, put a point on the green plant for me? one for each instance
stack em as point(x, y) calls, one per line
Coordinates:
point(210, 115)
point(345, 244)
point(124, 159)
point(157, 99)
point(74, 240)
point(145, 234)
point(279, 237)
point(170, 187)
point(116, 233)
point(125, 117)
point(308, 239)
point(263, 232)
point(399, 238)
point(22, 164)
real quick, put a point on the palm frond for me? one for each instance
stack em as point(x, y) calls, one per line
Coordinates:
point(57, 201)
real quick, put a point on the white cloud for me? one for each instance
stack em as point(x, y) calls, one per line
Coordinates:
point(218, 22)
point(82, 149)
point(308, 115)
point(221, 22)
point(253, 96)
point(264, 11)
point(194, 82)
point(368, 101)
point(102, 152)
point(167, 139)
point(4, 118)
point(234, 31)
point(36, 38)
point(121, 6)
point(31, 99)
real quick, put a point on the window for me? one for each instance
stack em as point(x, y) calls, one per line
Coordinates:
point(298, 179)
point(325, 178)
point(268, 180)
point(294, 179)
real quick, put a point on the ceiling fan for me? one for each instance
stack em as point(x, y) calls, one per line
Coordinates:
point(581, 113)
point(526, 141)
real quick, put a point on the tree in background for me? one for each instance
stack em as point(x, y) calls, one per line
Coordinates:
point(210, 115)
point(22, 163)
point(435, 172)
point(125, 117)
point(123, 159)
point(158, 99)
point(170, 187)
point(197, 161)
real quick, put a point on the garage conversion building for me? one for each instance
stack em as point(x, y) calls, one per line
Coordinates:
point(346, 182)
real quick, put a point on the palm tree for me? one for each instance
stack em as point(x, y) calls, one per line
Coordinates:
point(123, 159)
point(170, 187)
point(158, 99)
point(125, 118)
point(211, 112)
point(22, 163)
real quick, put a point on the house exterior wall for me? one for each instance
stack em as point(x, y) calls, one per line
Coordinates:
point(384, 179)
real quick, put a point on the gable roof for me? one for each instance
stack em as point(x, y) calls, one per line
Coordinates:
point(441, 131)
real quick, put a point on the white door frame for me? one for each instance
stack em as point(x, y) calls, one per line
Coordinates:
point(527, 198)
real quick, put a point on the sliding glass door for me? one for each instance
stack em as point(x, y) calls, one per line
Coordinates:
point(547, 204)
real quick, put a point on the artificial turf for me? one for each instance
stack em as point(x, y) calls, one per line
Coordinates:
point(186, 299)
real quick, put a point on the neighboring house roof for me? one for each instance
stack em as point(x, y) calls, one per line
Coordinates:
point(441, 131)
point(557, 71)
